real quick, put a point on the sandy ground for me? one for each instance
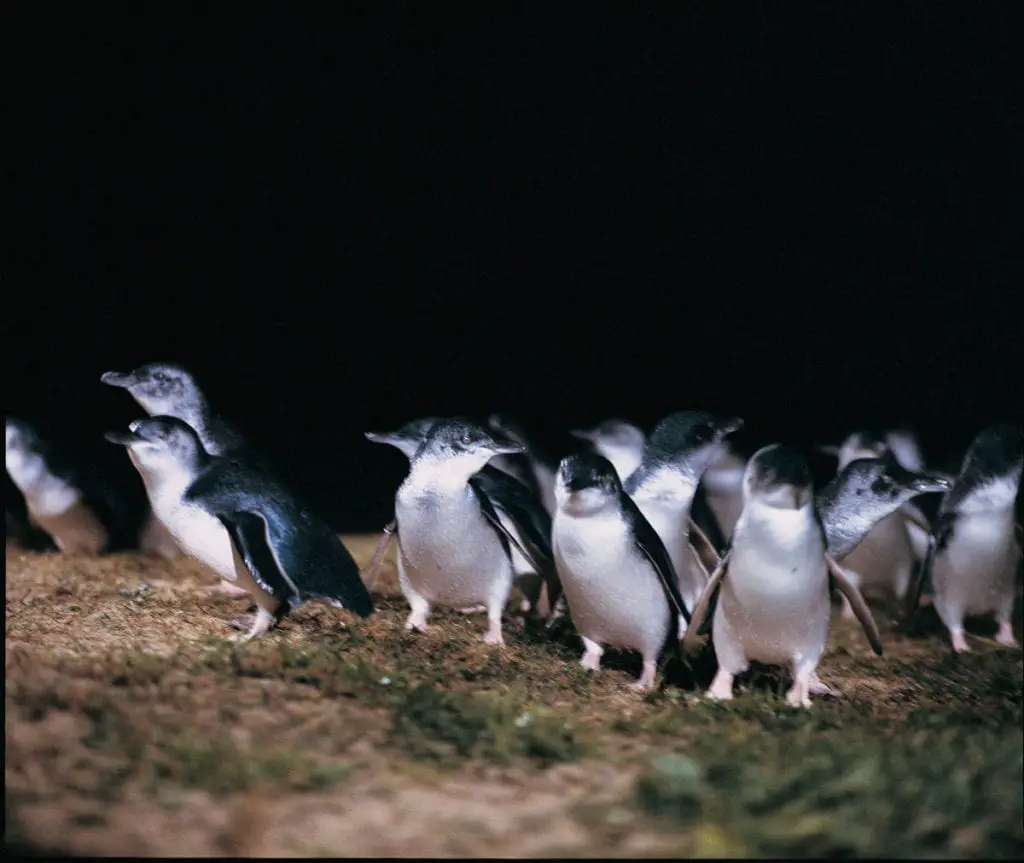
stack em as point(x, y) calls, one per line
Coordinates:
point(134, 728)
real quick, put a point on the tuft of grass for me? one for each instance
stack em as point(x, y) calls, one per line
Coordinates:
point(437, 725)
point(846, 792)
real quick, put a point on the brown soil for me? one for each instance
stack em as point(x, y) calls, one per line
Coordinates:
point(133, 728)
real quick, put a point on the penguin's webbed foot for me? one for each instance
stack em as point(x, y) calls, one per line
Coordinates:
point(262, 621)
point(226, 588)
point(960, 644)
point(1005, 635)
point(721, 687)
point(817, 687)
point(646, 679)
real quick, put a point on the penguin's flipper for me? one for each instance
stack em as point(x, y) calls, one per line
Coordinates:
point(387, 536)
point(649, 543)
point(248, 536)
point(703, 515)
point(923, 574)
point(294, 553)
point(708, 554)
point(497, 490)
point(857, 603)
point(704, 608)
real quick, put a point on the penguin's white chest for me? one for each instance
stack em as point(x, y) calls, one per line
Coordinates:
point(614, 595)
point(197, 533)
point(774, 604)
point(978, 567)
point(449, 552)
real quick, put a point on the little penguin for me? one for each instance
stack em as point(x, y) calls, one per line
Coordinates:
point(861, 495)
point(885, 557)
point(78, 507)
point(520, 518)
point(620, 442)
point(466, 530)
point(237, 519)
point(678, 452)
point(974, 558)
point(773, 583)
point(534, 468)
point(618, 578)
point(169, 389)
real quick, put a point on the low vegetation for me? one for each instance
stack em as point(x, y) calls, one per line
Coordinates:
point(133, 727)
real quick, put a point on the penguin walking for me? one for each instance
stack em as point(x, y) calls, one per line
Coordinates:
point(974, 558)
point(525, 524)
point(465, 533)
point(79, 508)
point(773, 583)
point(241, 522)
point(618, 578)
point(678, 452)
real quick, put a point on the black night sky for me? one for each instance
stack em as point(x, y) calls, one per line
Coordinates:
point(809, 215)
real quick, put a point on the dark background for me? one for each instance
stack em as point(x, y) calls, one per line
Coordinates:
point(805, 214)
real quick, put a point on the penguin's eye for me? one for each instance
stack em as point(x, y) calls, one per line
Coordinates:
point(160, 377)
point(467, 439)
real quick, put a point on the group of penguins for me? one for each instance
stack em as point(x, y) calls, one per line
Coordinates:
point(637, 542)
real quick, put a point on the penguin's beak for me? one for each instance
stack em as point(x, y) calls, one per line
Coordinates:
point(122, 438)
point(928, 482)
point(728, 426)
point(117, 379)
point(582, 434)
point(506, 447)
point(381, 437)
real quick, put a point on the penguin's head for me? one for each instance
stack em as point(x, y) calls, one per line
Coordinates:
point(159, 388)
point(992, 466)
point(885, 481)
point(691, 440)
point(463, 446)
point(406, 439)
point(586, 482)
point(160, 442)
point(997, 451)
point(778, 476)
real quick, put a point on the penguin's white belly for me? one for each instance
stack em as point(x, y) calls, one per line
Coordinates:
point(977, 570)
point(885, 557)
point(774, 613)
point(154, 538)
point(198, 534)
point(614, 595)
point(671, 523)
point(73, 526)
point(450, 553)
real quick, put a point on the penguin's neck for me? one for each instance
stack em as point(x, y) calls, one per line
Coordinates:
point(433, 476)
point(167, 478)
